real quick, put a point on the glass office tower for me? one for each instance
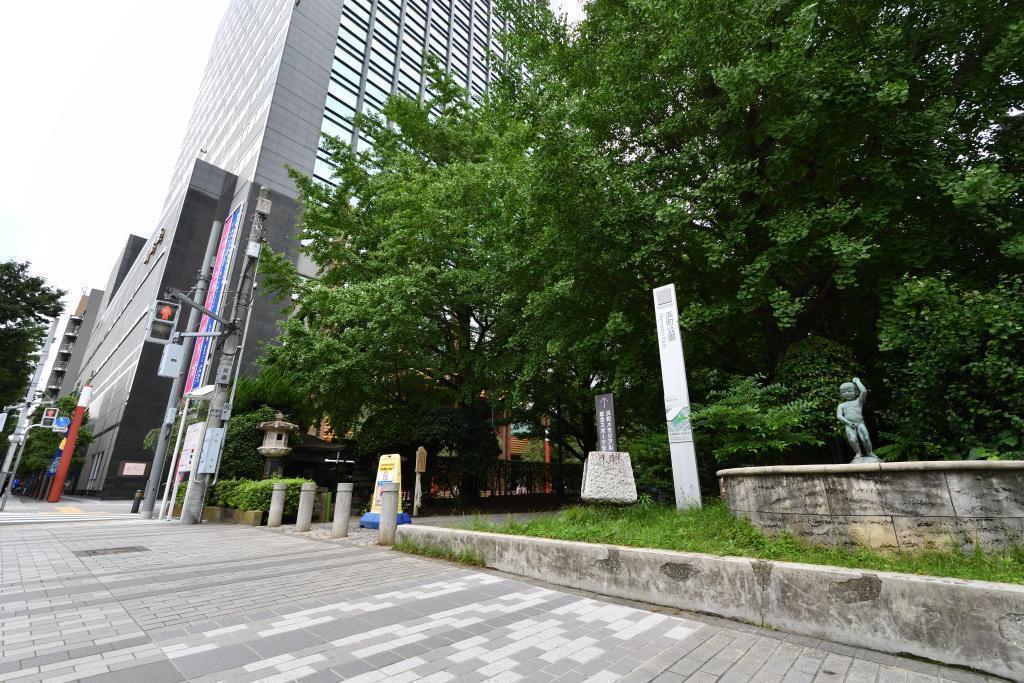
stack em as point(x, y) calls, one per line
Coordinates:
point(381, 50)
point(280, 74)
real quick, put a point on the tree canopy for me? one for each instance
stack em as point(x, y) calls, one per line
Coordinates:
point(27, 305)
point(808, 174)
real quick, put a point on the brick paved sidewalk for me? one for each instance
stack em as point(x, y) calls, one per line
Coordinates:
point(230, 603)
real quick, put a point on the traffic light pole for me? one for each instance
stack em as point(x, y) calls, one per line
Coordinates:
point(171, 411)
point(195, 494)
point(19, 434)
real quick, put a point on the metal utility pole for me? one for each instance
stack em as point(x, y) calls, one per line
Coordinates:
point(171, 411)
point(195, 494)
point(26, 406)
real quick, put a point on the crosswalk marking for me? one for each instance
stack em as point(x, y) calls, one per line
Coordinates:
point(54, 518)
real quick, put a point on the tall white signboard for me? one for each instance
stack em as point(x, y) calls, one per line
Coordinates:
point(677, 399)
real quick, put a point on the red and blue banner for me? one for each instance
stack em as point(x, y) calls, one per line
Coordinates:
point(52, 469)
point(214, 299)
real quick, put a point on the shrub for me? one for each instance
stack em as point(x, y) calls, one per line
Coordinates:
point(240, 459)
point(954, 364)
point(812, 371)
point(223, 490)
point(750, 423)
point(247, 494)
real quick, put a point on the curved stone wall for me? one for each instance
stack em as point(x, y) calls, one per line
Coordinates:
point(908, 506)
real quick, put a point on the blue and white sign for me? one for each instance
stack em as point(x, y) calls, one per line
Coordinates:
point(61, 424)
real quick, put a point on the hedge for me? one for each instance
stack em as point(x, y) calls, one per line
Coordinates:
point(247, 494)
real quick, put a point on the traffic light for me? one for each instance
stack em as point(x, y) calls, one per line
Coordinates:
point(49, 415)
point(163, 318)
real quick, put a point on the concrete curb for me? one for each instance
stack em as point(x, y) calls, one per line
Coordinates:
point(965, 623)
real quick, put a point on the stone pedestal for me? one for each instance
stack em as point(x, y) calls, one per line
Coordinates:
point(608, 478)
point(908, 506)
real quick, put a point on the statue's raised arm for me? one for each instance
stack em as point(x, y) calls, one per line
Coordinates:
point(863, 390)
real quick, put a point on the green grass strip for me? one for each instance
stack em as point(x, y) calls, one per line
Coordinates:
point(713, 530)
point(467, 557)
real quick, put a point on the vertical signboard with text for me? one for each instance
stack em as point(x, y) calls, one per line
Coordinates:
point(604, 408)
point(677, 398)
point(215, 298)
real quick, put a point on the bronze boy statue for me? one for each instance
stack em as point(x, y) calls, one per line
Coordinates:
point(851, 413)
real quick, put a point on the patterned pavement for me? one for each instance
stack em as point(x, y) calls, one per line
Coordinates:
point(156, 602)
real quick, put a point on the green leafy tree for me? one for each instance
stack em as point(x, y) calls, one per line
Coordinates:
point(406, 312)
point(954, 363)
point(273, 386)
point(785, 163)
point(26, 305)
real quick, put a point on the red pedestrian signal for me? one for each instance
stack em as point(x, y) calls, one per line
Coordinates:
point(49, 415)
point(163, 319)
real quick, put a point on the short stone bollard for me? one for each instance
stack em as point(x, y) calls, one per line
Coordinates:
point(388, 514)
point(276, 505)
point(304, 519)
point(342, 511)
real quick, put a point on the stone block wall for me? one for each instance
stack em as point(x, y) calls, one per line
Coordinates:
point(888, 506)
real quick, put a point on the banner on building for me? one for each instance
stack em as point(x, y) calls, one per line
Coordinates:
point(215, 298)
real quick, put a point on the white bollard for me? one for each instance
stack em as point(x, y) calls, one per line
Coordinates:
point(342, 511)
point(304, 519)
point(388, 514)
point(276, 505)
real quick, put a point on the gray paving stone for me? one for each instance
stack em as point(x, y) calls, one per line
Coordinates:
point(211, 661)
point(282, 643)
point(202, 579)
point(322, 676)
point(353, 668)
point(157, 672)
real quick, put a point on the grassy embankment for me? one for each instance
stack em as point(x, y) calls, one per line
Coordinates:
point(713, 530)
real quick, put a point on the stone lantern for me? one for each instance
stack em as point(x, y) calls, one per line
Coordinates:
point(275, 443)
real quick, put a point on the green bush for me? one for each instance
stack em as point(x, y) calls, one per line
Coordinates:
point(223, 490)
point(750, 423)
point(954, 365)
point(245, 494)
point(652, 463)
point(240, 459)
point(812, 371)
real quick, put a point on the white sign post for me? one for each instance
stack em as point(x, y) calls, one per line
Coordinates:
point(677, 399)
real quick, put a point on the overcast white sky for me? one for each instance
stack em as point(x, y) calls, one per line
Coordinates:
point(98, 96)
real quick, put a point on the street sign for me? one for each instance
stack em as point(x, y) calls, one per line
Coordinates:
point(61, 424)
point(163, 318)
point(604, 406)
point(677, 398)
point(190, 446)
